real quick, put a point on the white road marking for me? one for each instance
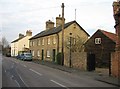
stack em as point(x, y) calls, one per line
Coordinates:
point(36, 72)
point(24, 65)
point(22, 79)
point(17, 83)
point(11, 77)
point(57, 83)
point(14, 61)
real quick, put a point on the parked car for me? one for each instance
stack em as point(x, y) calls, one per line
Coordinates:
point(25, 56)
point(8, 54)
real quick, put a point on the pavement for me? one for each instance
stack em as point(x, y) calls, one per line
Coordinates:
point(99, 76)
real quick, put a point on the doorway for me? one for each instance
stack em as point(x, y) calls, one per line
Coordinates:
point(54, 54)
point(91, 62)
point(42, 54)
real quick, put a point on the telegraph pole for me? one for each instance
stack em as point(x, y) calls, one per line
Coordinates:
point(62, 33)
point(75, 14)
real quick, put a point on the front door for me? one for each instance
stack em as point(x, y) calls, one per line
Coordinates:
point(54, 55)
point(42, 54)
point(91, 62)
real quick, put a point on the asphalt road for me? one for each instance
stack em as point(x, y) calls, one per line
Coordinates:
point(17, 73)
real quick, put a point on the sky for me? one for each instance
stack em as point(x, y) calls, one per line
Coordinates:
point(18, 16)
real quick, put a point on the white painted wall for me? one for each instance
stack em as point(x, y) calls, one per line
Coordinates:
point(19, 45)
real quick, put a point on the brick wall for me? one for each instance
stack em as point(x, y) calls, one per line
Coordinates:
point(115, 64)
point(78, 60)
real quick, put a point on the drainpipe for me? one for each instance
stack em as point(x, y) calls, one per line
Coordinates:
point(57, 43)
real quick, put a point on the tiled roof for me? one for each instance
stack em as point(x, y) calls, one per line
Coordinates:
point(17, 39)
point(110, 35)
point(55, 30)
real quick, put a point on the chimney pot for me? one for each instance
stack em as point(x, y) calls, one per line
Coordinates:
point(28, 33)
point(49, 24)
point(59, 20)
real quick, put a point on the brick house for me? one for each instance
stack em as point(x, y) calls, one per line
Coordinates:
point(99, 48)
point(116, 55)
point(46, 44)
point(21, 43)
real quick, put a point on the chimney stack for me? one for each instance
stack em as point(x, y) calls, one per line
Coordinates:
point(28, 33)
point(116, 7)
point(21, 35)
point(49, 24)
point(59, 20)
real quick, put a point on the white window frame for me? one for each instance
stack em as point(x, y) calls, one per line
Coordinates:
point(38, 42)
point(38, 53)
point(30, 43)
point(54, 40)
point(97, 40)
point(33, 43)
point(48, 53)
point(43, 41)
point(48, 40)
point(33, 53)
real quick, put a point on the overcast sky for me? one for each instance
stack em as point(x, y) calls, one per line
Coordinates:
point(17, 16)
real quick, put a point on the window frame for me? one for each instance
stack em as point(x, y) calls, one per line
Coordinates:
point(48, 40)
point(33, 53)
point(54, 40)
point(38, 53)
point(43, 41)
point(98, 40)
point(48, 54)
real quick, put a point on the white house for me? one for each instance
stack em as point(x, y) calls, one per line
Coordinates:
point(21, 43)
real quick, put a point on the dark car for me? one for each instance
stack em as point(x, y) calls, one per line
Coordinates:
point(8, 54)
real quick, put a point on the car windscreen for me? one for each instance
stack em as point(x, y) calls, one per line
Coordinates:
point(28, 54)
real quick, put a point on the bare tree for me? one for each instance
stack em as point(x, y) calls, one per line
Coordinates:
point(77, 44)
point(5, 43)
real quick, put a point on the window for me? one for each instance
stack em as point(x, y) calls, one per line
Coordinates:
point(38, 42)
point(43, 41)
point(33, 43)
point(38, 53)
point(54, 40)
point(30, 43)
point(32, 53)
point(48, 53)
point(48, 40)
point(74, 41)
point(97, 40)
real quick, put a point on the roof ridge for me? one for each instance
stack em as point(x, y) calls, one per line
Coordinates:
point(106, 31)
point(18, 39)
point(55, 30)
point(110, 35)
point(52, 30)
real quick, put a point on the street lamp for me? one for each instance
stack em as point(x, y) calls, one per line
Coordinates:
point(70, 51)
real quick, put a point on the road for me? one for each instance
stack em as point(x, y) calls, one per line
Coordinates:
point(17, 73)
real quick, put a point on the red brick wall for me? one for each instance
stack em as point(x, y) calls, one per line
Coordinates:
point(115, 64)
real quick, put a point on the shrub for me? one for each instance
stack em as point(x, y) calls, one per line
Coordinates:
point(59, 58)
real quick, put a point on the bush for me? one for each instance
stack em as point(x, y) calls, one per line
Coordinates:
point(59, 58)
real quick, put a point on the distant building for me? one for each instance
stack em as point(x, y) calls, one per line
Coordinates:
point(48, 43)
point(21, 44)
point(99, 48)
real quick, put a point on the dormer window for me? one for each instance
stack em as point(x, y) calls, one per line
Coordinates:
point(97, 40)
